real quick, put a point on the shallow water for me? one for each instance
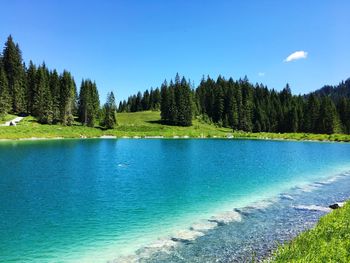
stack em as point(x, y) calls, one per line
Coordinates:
point(100, 200)
point(260, 230)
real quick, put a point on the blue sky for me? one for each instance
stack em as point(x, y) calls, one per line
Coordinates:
point(126, 46)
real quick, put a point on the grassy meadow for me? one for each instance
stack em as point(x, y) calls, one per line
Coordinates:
point(329, 241)
point(146, 124)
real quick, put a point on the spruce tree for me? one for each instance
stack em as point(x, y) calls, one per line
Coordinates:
point(110, 111)
point(54, 82)
point(172, 111)
point(15, 73)
point(43, 99)
point(138, 102)
point(312, 113)
point(31, 86)
point(146, 100)
point(186, 103)
point(5, 100)
point(344, 114)
point(165, 104)
point(67, 98)
point(156, 99)
point(328, 121)
point(218, 108)
point(89, 103)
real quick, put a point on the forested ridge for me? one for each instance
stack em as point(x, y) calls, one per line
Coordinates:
point(53, 98)
point(47, 95)
point(253, 108)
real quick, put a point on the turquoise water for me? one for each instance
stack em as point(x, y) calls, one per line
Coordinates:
point(98, 200)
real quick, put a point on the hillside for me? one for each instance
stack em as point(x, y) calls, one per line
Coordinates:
point(146, 124)
point(335, 92)
point(138, 124)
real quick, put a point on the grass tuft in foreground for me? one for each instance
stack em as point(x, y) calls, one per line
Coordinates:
point(329, 241)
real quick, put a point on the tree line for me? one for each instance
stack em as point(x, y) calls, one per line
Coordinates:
point(149, 100)
point(47, 95)
point(255, 108)
point(53, 98)
point(243, 106)
point(175, 101)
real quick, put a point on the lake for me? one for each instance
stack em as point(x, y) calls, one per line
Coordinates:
point(98, 200)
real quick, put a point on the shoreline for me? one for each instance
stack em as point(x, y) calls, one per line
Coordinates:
point(146, 125)
point(232, 215)
point(238, 215)
point(148, 137)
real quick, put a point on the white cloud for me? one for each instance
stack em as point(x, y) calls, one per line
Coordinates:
point(261, 74)
point(296, 55)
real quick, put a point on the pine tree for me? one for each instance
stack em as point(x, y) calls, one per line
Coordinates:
point(110, 111)
point(146, 100)
point(138, 102)
point(328, 121)
point(183, 104)
point(218, 108)
point(5, 100)
point(172, 116)
point(54, 82)
point(156, 99)
point(89, 103)
point(15, 73)
point(247, 109)
point(292, 120)
point(312, 112)
point(43, 99)
point(179, 102)
point(67, 98)
point(31, 86)
point(165, 104)
point(344, 114)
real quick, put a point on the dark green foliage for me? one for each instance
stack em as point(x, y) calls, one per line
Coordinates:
point(242, 106)
point(5, 99)
point(149, 100)
point(335, 92)
point(15, 73)
point(42, 106)
point(54, 82)
point(312, 110)
point(176, 102)
point(154, 99)
point(89, 103)
point(67, 98)
point(328, 118)
point(145, 100)
point(165, 103)
point(172, 109)
point(344, 114)
point(31, 86)
point(109, 112)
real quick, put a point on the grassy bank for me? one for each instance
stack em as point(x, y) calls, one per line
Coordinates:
point(329, 241)
point(6, 118)
point(143, 124)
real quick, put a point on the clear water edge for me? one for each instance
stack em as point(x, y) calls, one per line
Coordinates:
point(264, 200)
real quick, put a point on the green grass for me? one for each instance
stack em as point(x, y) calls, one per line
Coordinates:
point(143, 124)
point(329, 241)
point(6, 118)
